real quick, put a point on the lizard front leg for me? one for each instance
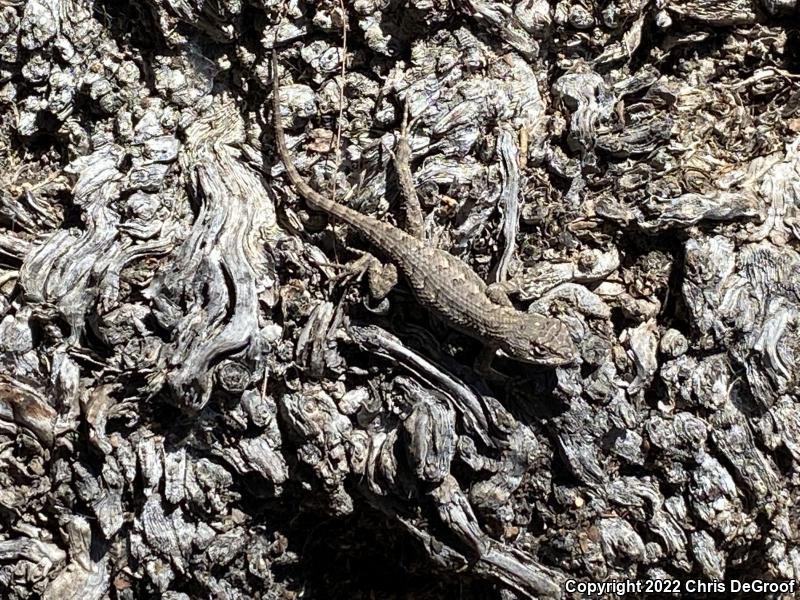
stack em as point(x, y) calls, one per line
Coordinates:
point(498, 293)
point(483, 362)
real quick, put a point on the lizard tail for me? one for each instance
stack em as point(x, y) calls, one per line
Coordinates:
point(313, 197)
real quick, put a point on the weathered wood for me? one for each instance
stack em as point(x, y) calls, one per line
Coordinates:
point(198, 398)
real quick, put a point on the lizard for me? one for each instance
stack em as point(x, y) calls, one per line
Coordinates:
point(441, 282)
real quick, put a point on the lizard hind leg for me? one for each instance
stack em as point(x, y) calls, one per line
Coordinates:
point(381, 278)
point(414, 222)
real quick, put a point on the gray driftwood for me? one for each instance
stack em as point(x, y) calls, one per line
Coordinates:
point(198, 401)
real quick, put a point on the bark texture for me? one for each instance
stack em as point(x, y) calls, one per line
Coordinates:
point(197, 401)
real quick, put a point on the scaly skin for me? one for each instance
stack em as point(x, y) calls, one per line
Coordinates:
point(440, 281)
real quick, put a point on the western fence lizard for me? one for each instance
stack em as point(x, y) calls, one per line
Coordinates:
point(442, 282)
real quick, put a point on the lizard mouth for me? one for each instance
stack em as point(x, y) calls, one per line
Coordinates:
point(503, 354)
point(500, 353)
point(553, 360)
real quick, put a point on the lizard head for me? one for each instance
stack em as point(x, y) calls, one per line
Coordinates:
point(539, 340)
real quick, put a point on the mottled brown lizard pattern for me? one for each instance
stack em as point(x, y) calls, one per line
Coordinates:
point(441, 282)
